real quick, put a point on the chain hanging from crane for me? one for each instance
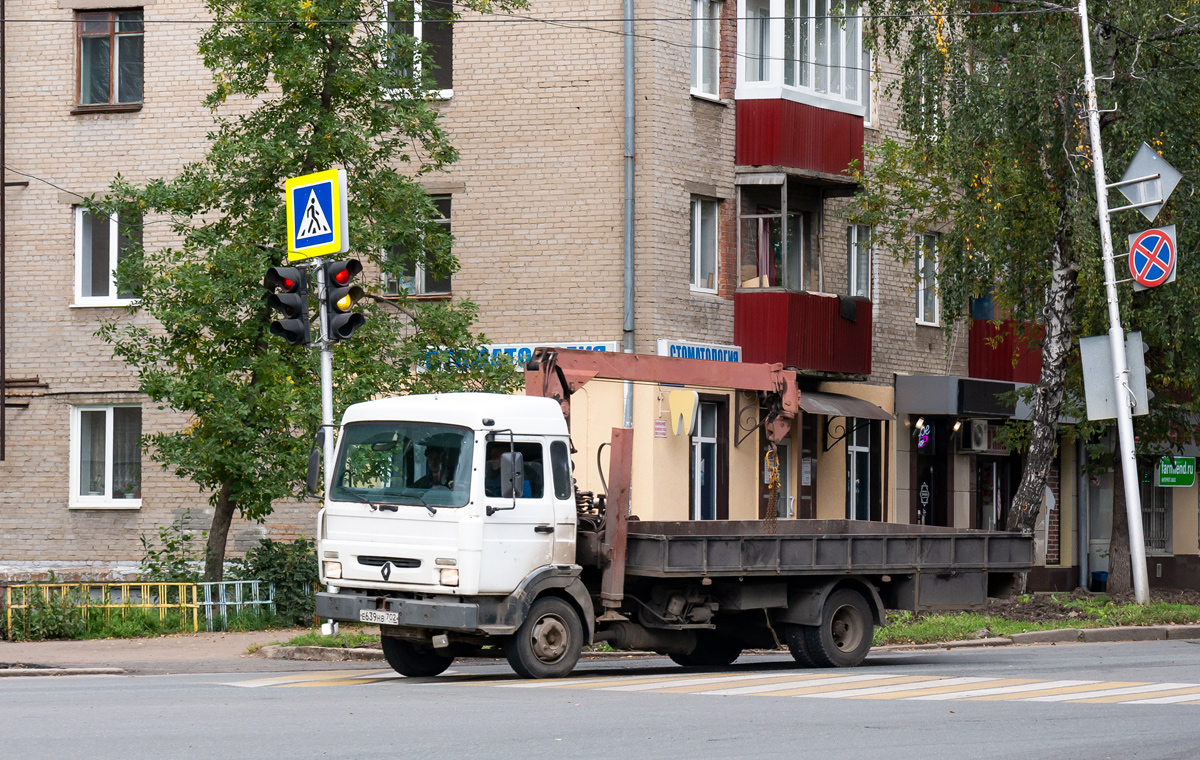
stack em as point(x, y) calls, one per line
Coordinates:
point(772, 465)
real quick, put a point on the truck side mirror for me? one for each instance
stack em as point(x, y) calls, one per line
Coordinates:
point(314, 462)
point(512, 474)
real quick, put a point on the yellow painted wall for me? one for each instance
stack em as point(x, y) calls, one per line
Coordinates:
point(1068, 505)
point(661, 468)
point(1183, 520)
point(831, 465)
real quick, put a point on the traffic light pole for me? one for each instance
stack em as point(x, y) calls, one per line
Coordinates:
point(1116, 335)
point(326, 372)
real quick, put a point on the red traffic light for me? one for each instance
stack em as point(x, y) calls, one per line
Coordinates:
point(341, 272)
point(287, 279)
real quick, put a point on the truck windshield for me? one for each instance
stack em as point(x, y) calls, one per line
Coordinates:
point(405, 463)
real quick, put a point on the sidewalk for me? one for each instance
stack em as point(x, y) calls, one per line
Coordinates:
point(181, 653)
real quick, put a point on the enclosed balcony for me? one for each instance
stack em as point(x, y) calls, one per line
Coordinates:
point(803, 85)
point(1005, 351)
point(816, 332)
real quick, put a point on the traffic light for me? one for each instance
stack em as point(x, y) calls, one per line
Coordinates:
point(340, 297)
point(292, 300)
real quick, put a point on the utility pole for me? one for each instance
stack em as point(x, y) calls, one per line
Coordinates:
point(326, 344)
point(1116, 335)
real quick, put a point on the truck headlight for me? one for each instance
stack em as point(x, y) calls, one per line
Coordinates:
point(449, 576)
point(333, 569)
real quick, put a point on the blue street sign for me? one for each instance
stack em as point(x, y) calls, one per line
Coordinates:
point(316, 215)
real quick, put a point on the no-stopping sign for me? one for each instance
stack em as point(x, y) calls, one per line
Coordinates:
point(1152, 256)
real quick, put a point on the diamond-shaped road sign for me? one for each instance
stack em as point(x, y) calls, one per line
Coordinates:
point(1147, 163)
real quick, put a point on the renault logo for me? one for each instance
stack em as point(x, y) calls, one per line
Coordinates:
point(386, 570)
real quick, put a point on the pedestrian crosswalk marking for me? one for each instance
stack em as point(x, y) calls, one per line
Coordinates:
point(902, 688)
point(1183, 691)
point(866, 683)
point(1003, 688)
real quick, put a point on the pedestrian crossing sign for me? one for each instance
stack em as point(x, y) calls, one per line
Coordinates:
point(316, 214)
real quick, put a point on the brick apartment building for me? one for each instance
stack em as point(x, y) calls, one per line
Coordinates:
point(742, 248)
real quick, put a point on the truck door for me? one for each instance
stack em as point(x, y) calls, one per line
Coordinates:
point(516, 539)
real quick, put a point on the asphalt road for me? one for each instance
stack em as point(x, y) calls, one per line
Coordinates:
point(1131, 700)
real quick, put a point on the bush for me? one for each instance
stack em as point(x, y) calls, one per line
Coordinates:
point(177, 559)
point(292, 567)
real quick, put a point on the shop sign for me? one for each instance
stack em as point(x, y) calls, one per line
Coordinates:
point(1180, 474)
point(682, 349)
point(523, 352)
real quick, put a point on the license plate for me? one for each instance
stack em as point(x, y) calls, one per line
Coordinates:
point(375, 616)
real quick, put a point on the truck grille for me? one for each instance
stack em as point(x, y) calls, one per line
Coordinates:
point(397, 562)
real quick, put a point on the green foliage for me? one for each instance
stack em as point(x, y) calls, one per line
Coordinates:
point(344, 638)
point(292, 568)
point(176, 558)
point(329, 89)
point(1094, 612)
point(47, 614)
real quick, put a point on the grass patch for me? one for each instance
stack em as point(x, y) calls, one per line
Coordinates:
point(907, 628)
point(1043, 613)
point(343, 639)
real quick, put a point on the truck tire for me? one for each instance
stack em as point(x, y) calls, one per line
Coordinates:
point(413, 661)
point(843, 638)
point(548, 643)
point(798, 645)
point(711, 651)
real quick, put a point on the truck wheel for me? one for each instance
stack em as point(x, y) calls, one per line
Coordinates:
point(548, 643)
point(410, 660)
point(843, 638)
point(710, 651)
point(798, 646)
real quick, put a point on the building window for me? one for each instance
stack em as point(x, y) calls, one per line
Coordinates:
point(416, 279)
point(706, 47)
point(926, 259)
point(101, 244)
point(704, 470)
point(110, 57)
point(858, 240)
point(772, 250)
point(823, 53)
point(1156, 518)
point(106, 456)
point(757, 60)
point(431, 23)
point(859, 470)
point(704, 244)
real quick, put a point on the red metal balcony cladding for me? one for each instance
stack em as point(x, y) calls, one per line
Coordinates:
point(786, 133)
point(802, 330)
point(988, 363)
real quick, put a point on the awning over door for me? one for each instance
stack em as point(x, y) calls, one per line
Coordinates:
point(837, 405)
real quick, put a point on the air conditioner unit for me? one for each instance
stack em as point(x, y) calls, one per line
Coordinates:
point(975, 436)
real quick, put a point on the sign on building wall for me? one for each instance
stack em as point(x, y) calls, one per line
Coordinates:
point(523, 352)
point(682, 349)
point(1181, 474)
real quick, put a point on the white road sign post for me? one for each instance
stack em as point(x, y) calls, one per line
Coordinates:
point(317, 226)
point(1148, 185)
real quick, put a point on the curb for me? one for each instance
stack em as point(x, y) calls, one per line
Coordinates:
point(36, 671)
point(1053, 636)
point(365, 654)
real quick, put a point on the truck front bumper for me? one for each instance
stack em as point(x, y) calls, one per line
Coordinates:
point(412, 613)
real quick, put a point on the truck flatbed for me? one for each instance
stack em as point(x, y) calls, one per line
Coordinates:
point(934, 568)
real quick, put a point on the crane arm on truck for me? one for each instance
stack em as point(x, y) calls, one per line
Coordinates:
point(558, 372)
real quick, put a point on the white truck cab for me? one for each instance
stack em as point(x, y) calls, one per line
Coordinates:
point(417, 503)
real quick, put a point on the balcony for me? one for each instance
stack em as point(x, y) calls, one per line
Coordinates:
point(819, 332)
point(797, 135)
point(994, 346)
point(803, 85)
